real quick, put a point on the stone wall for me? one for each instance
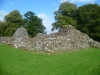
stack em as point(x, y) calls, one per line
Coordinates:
point(64, 40)
point(68, 39)
point(20, 38)
point(4, 39)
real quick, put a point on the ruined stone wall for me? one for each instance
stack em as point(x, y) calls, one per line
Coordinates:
point(68, 39)
point(20, 38)
point(71, 39)
point(64, 40)
point(4, 39)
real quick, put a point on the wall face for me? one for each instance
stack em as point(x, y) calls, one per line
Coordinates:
point(68, 39)
point(4, 39)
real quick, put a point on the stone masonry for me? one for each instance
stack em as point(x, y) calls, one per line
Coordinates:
point(68, 39)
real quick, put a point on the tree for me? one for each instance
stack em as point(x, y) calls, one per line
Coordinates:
point(14, 17)
point(65, 15)
point(2, 28)
point(88, 20)
point(12, 21)
point(33, 24)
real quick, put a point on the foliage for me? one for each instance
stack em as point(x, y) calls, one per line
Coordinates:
point(14, 17)
point(11, 22)
point(2, 28)
point(85, 18)
point(65, 15)
point(33, 24)
point(19, 62)
point(88, 20)
point(14, 20)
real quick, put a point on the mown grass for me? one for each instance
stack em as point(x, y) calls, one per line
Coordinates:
point(18, 62)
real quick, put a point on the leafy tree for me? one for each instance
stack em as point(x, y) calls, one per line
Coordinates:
point(14, 17)
point(2, 28)
point(88, 20)
point(33, 24)
point(12, 21)
point(65, 15)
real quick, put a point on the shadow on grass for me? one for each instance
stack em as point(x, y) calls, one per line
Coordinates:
point(96, 70)
point(2, 72)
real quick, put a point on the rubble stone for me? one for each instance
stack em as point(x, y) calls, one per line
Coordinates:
point(19, 38)
point(68, 39)
point(4, 39)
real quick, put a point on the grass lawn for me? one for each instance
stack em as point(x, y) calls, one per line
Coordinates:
point(18, 62)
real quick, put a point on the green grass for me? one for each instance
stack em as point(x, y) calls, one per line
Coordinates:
point(18, 62)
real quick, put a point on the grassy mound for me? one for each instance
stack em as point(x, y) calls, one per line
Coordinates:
point(18, 62)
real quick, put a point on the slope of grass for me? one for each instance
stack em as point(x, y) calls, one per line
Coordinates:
point(18, 62)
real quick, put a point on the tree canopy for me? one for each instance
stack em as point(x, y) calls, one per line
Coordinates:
point(85, 18)
point(88, 20)
point(33, 24)
point(11, 22)
point(14, 17)
point(14, 20)
point(64, 16)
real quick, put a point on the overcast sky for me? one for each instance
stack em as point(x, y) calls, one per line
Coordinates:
point(44, 9)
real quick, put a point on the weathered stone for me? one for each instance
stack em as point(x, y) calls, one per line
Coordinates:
point(4, 39)
point(20, 38)
point(63, 40)
point(93, 43)
point(67, 39)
